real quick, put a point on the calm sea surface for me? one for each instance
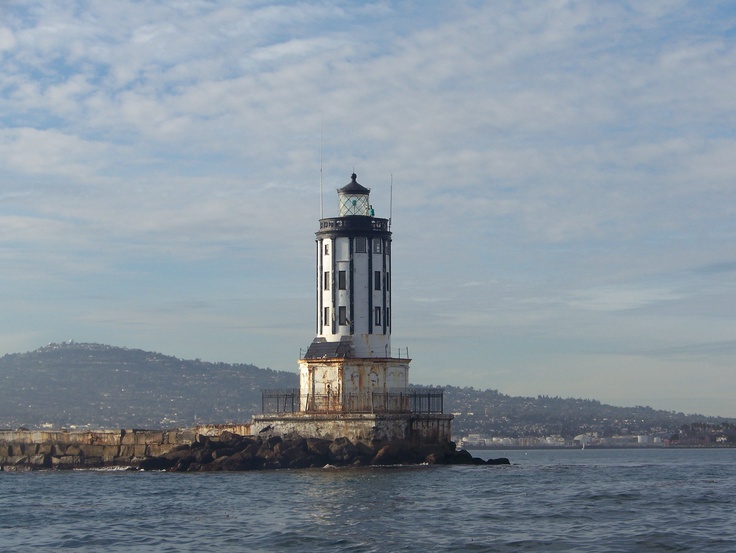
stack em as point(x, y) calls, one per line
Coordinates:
point(557, 500)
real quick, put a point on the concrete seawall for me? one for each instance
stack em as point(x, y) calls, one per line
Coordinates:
point(39, 449)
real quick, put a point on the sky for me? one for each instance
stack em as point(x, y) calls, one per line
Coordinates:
point(563, 203)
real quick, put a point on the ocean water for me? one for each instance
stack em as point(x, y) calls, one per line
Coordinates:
point(548, 500)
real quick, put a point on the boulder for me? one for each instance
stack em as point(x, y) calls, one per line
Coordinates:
point(183, 456)
point(390, 454)
point(271, 441)
point(156, 463)
point(461, 457)
point(241, 461)
point(238, 453)
point(435, 454)
point(499, 461)
point(294, 454)
point(203, 456)
point(342, 451)
point(319, 447)
point(224, 452)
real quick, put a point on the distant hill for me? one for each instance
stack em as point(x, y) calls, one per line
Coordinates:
point(100, 386)
point(105, 386)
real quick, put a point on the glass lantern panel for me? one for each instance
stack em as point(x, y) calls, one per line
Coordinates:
point(353, 204)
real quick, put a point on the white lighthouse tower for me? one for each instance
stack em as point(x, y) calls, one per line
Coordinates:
point(352, 383)
point(350, 360)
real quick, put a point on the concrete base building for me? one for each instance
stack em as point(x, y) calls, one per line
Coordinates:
point(352, 383)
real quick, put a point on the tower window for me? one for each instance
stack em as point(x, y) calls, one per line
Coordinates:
point(326, 285)
point(343, 315)
point(377, 316)
point(327, 249)
point(377, 280)
point(377, 246)
point(388, 283)
point(326, 321)
point(388, 316)
point(361, 244)
point(342, 280)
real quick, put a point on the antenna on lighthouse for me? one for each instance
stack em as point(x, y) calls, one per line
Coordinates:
point(321, 196)
point(391, 201)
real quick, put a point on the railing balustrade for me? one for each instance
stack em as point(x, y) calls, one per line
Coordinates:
point(426, 401)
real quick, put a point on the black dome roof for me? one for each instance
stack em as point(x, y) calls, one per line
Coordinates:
point(354, 187)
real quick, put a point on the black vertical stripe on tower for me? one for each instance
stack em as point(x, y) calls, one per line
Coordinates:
point(385, 256)
point(389, 291)
point(351, 287)
point(370, 285)
point(333, 294)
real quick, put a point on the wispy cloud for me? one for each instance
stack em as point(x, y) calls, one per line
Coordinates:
point(563, 174)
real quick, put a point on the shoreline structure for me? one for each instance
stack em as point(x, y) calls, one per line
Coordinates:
point(227, 447)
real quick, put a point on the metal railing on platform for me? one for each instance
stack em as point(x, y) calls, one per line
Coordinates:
point(425, 401)
point(280, 400)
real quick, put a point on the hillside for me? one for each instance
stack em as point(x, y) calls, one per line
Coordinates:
point(104, 386)
point(100, 386)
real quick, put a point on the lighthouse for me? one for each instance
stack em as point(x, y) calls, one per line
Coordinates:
point(352, 382)
point(350, 360)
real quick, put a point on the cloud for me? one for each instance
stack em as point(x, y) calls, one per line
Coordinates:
point(562, 172)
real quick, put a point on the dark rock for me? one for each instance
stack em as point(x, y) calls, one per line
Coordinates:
point(459, 457)
point(203, 456)
point(252, 450)
point(319, 447)
point(227, 436)
point(156, 463)
point(265, 451)
point(390, 454)
point(238, 453)
point(223, 452)
point(435, 454)
point(499, 461)
point(342, 451)
point(240, 461)
point(433, 459)
point(365, 450)
point(204, 441)
point(272, 441)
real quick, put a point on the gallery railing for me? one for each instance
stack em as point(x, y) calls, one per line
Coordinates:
point(280, 401)
point(425, 401)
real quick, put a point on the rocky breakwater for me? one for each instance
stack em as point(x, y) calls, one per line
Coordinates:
point(24, 450)
point(231, 452)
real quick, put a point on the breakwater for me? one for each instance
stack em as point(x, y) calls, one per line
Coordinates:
point(63, 449)
point(209, 448)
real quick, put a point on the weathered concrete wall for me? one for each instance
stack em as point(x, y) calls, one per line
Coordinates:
point(24, 450)
point(358, 427)
point(243, 429)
